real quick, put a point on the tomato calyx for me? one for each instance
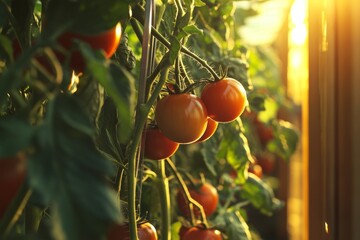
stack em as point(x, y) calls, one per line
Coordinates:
point(199, 83)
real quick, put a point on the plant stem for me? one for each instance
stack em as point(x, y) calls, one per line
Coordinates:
point(141, 117)
point(137, 29)
point(186, 51)
point(33, 217)
point(163, 187)
point(14, 211)
point(190, 201)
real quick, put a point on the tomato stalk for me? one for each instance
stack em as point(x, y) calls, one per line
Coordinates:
point(137, 29)
point(33, 217)
point(177, 74)
point(183, 71)
point(189, 200)
point(14, 211)
point(163, 186)
point(186, 51)
point(179, 14)
point(13, 22)
point(141, 117)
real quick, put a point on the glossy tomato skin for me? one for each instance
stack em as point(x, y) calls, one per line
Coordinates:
point(196, 233)
point(157, 146)
point(206, 195)
point(182, 231)
point(181, 117)
point(210, 130)
point(12, 176)
point(107, 41)
point(146, 231)
point(225, 100)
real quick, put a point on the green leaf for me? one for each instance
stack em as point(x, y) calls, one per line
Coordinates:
point(16, 135)
point(124, 55)
point(199, 3)
point(23, 13)
point(69, 173)
point(108, 129)
point(208, 150)
point(260, 195)
point(189, 30)
point(235, 226)
point(118, 84)
point(175, 228)
point(234, 147)
point(238, 69)
point(192, 29)
point(286, 140)
point(256, 101)
point(168, 18)
point(184, 20)
point(6, 50)
point(175, 49)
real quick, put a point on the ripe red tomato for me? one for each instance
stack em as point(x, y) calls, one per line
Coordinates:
point(182, 231)
point(265, 132)
point(207, 196)
point(107, 41)
point(225, 99)
point(157, 146)
point(146, 231)
point(256, 169)
point(267, 163)
point(12, 176)
point(16, 48)
point(181, 117)
point(210, 130)
point(196, 233)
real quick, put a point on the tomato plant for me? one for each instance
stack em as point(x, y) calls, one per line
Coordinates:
point(12, 176)
point(225, 99)
point(196, 233)
point(84, 147)
point(157, 146)
point(146, 231)
point(181, 117)
point(205, 194)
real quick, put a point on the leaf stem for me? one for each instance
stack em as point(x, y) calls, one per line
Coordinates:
point(141, 117)
point(163, 187)
point(186, 51)
point(14, 211)
point(189, 200)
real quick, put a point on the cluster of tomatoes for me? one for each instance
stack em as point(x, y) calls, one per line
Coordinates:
point(185, 118)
